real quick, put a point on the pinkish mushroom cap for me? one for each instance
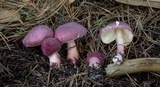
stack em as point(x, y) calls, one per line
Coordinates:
point(108, 33)
point(94, 58)
point(37, 35)
point(50, 45)
point(69, 32)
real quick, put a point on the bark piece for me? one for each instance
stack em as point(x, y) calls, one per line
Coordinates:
point(133, 66)
point(147, 3)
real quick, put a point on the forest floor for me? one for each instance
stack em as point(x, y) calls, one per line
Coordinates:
point(22, 66)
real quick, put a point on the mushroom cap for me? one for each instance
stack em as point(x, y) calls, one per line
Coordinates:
point(108, 33)
point(50, 45)
point(94, 55)
point(69, 32)
point(37, 35)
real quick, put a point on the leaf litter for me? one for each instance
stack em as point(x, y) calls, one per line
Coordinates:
point(9, 16)
point(22, 66)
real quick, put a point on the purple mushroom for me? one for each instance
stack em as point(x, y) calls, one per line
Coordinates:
point(119, 31)
point(37, 35)
point(67, 33)
point(50, 47)
point(95, 59)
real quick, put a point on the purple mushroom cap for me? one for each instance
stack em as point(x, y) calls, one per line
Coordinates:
point(108, 33)
point(37, 35)
point(95, 55)
point(50, 45)
point(69, 32)
point(116, 24)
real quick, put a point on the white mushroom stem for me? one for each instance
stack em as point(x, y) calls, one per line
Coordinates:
point(55, 58)
point(72, 51)
point(120, 43)
point(120, 47)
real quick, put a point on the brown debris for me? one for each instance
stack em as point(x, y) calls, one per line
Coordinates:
point(28, 67)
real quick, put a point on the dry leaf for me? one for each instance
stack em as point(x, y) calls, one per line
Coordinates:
point(149, 3)
point(70, 1)
point(9, 16)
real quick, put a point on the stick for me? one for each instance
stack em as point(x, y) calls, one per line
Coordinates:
point(133, 66)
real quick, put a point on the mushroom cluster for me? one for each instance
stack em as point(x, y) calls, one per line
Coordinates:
point(44, 36)
point(119, 31)
point(51, 41)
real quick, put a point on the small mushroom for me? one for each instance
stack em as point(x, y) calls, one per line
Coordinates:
point(68, 33)
point(95, 59)
point(37, 35)
point(95, 62)
point(50, 47)
point(119, 31)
